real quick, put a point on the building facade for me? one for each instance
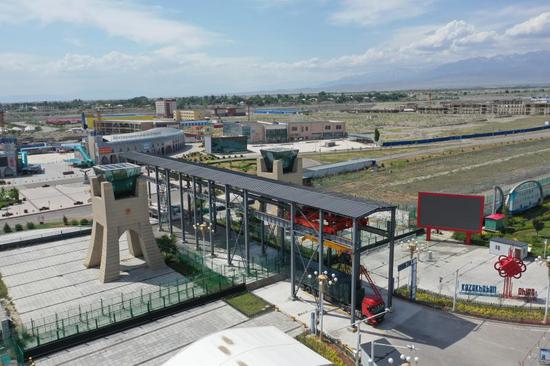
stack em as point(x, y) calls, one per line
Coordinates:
point(273, 132)
point(165, 107)
point(8, 156)
point(190, 115)
point(116, 126)
point(225, 144)
point(514, 107)
point(159, 141)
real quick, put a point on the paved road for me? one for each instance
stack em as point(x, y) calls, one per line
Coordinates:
point(440, 338)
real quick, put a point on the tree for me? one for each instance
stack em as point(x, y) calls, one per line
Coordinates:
point(18, 227)
point(376, 135)
point(30, 225)
point(65, 220)
point(538, 225)
point(7, 228)
point(14, 194)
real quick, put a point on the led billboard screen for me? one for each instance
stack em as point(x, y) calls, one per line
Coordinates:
point(450, 212)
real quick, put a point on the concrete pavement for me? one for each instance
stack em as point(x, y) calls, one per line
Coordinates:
point(440, 338)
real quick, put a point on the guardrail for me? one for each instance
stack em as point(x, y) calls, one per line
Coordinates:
point(45, 238)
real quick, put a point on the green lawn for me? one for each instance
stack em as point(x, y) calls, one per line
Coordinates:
point(520, 227)
point(248, 304)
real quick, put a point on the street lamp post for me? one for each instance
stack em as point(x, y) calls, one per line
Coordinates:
point(203, 228)
point(540, 260)
point(324, 280)
point(358, 324)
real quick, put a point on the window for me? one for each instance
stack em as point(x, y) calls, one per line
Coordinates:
point(294, 128)
point(338, 127)
point(327, 127)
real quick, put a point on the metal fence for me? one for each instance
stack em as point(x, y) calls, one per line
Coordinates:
point(104, 313)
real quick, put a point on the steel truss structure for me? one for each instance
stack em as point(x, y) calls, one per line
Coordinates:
point(299, 211)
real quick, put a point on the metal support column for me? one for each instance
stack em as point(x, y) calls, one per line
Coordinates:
point(355, 255)
point(195, 219)
point(321, 239)
point(227, 224)
point(262, 227)
point(391, 236)
point(211, 216)
point(189, 216)
point(158, 198)
point(148, 182)
point(182, 220)
point(169, 195)
point(246, 230)
point(292, 255)
point(281, 236)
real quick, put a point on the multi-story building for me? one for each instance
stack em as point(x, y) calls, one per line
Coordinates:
point(514, 107)
point(165, 107)
point(113, 126)
point(272, 132)
point(8, 156)
point(316, 130)
point(190, 115)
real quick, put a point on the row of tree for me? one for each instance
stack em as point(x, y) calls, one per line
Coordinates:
point(214, 100)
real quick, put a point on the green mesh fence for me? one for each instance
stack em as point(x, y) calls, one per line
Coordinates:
point(104, 313)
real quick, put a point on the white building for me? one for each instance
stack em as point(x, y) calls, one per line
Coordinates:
point(502, 246)
point(259, 346)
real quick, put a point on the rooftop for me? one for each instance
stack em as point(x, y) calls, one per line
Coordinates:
point(144, 135)
point(330, 202)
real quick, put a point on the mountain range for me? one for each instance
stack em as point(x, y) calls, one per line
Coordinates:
point(532, 68)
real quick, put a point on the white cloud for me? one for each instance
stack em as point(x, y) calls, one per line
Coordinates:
point(535, 26)
point(121, 18)
point(456, 33)
point(372, 12)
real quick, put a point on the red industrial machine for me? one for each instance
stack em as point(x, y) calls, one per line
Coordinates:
point(372, 304)
point(509, 266)
point(310, 218)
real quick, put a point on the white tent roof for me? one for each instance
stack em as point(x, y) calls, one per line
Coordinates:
point(259, 346)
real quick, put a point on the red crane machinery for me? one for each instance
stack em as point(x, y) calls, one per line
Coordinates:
point(335, 223)
point(372, 304)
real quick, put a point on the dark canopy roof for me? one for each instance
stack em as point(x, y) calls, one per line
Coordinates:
point(342, 205)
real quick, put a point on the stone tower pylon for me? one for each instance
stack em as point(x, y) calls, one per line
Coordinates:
point(119, 205)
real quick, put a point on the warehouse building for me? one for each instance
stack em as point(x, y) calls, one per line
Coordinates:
point(159, 141)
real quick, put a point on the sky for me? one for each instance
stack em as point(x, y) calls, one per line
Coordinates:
point(93, 49)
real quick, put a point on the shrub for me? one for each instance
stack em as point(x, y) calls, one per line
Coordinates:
point(30, 225)
point(7, 228)
point(84, 222)
point(18, 227)
point(74, 222)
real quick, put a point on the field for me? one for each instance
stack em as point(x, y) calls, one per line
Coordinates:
point(468, 170)
point(398, 126)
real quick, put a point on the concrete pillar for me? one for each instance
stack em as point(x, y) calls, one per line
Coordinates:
point(113, 218)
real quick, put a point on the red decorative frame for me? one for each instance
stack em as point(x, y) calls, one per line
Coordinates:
point(481, 200)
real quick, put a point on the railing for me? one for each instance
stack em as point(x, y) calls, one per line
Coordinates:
point(105, 313)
